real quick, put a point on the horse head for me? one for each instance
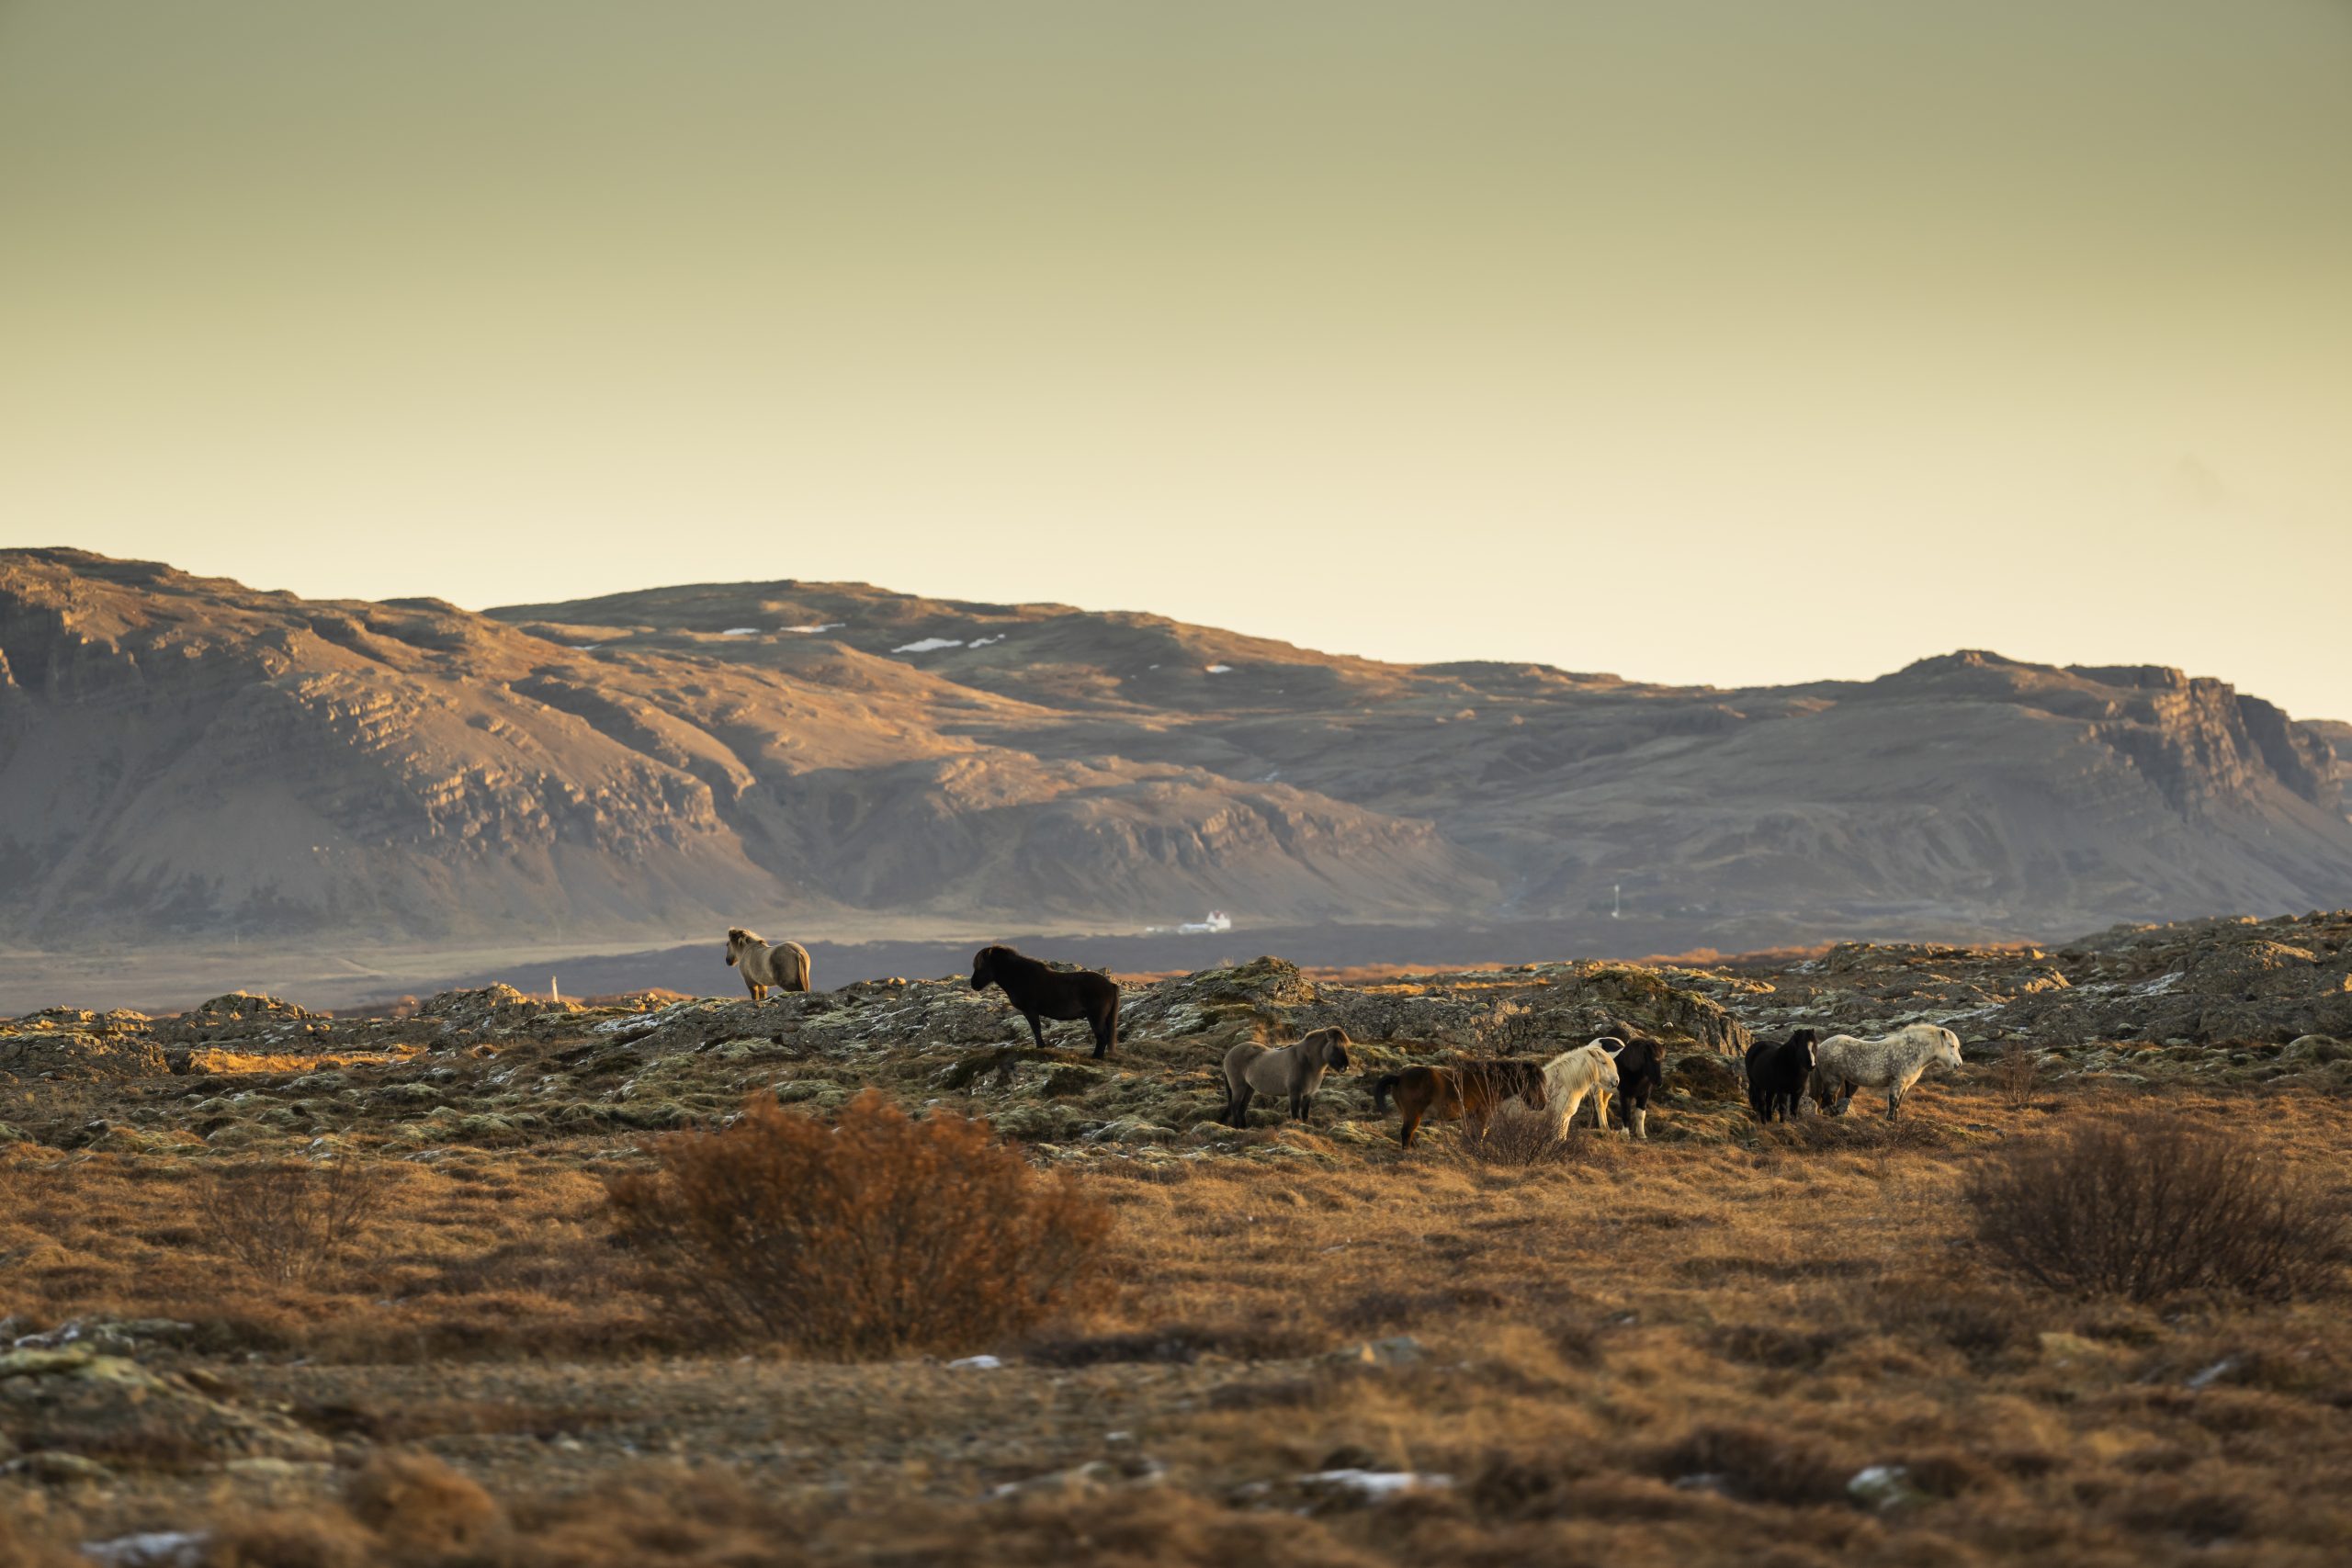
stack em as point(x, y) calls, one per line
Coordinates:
point(738, 939)
point(1329, 1046)
point(984, 966)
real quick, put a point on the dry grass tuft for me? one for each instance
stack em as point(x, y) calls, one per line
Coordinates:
point(881, 1236)
point(419, 1505)
point(1759, 1464)
point(2145, 1205)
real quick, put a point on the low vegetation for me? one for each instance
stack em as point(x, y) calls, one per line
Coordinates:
point(290, 1221)
point(877, 1235)
point(601, 1312)
point(2145, 1204)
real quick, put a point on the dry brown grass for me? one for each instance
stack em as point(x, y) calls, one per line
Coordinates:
point(1668, 1354)
point(482, 1254)
point(877, 1235)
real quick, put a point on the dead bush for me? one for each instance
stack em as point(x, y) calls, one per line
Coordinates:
point(288, 1220)
point(2015, 1073)
point(879, 1237)
point(1524, 1140)
point(2144, 1205)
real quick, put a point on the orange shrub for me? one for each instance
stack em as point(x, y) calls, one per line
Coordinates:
point(880, 1235)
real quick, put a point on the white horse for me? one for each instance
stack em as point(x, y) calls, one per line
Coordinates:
point(1590, 1068)
point(1892, 1061)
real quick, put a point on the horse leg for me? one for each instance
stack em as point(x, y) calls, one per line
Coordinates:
point(1237, 1107)
point(1569, 1109)
point(753, 986)
point(1036, 1029)
point(1412, 1124)
point(1641, 1127)
point(1298, 1107)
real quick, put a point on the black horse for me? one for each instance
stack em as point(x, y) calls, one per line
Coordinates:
point(1640, 1068)
point(1777, 1075)
point(1038, 992)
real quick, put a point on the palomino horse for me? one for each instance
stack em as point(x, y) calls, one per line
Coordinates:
point(1471, 1089)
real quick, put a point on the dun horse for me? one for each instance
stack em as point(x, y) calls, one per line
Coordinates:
point(1294, 1072)
point(1469, 1090)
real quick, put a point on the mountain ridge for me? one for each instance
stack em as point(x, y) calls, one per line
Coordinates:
point(183, 757)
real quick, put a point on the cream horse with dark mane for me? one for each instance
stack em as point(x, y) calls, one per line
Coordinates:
point(783, 964)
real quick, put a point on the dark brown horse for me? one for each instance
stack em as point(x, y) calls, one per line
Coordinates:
point(1038, 992)
point(1469, 1090)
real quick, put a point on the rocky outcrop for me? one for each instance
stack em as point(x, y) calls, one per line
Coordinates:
point(243, 1017)
point(67, 1054)
point(73, 1042)
point(2198, 983)
point(111, 1411)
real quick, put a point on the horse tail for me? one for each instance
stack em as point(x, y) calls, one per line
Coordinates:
point(1380, 1088)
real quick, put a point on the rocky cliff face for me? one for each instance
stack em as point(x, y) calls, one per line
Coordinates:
point(184, 759)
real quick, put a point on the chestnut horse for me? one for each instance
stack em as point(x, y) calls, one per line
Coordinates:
point(1471, 1089)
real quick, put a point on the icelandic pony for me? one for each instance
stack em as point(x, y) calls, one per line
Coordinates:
point(1470, 1089)
point(1777, 1074)
point(1294, 1071)
point(1892, 1061)
point(1640, 1068)
point(1038, 992)
point(1590, 1068)
point(763, 964)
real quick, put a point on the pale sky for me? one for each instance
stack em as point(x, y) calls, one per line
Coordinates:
point(1698, 339)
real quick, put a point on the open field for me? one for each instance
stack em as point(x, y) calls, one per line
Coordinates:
point(1683, 1351)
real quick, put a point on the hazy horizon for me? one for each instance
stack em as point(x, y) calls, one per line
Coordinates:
point(1697, 341)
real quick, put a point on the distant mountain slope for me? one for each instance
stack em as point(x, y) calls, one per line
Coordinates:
point(185, 758)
